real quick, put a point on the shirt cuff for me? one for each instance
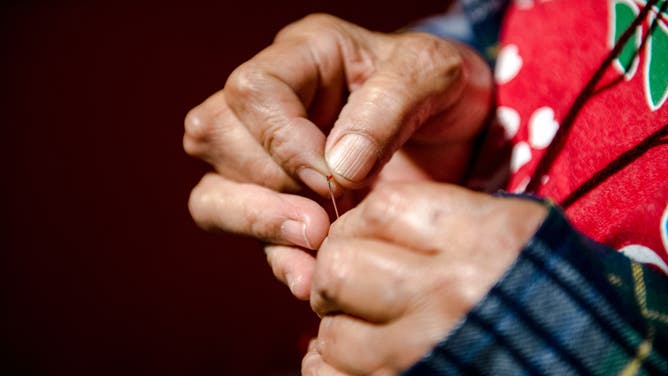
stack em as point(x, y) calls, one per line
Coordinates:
point(568, 305)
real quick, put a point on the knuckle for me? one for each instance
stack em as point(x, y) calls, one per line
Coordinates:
point(197, 123)
point(333, 336)
point(191, 146)
point(313, 24)
point(378, 97)
point(383, 204)
point(310, 364)
point(272, 129)
point(279, 140)
point(273, 134)
point(328, 334)
point(199, 127)
point(383, 370)
point(320, 19)
point(257, 224)
point(200, 199)
point(332, 274)
point(245, 82)
point(434, 57)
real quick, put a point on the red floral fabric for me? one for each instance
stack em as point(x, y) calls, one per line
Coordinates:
point(548, 51)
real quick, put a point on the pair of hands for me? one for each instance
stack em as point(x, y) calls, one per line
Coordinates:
point(387, 116)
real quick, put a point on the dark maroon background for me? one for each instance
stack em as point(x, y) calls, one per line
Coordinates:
point(103, 271)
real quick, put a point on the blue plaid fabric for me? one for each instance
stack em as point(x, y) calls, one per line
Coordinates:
point(473, 22)
point(567, 306)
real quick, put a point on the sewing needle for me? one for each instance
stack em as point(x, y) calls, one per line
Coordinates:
point(331, 194)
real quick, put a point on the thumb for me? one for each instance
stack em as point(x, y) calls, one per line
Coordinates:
point(419, 76)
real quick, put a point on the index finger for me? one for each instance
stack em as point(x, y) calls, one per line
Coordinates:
point(217, 203)
point(288, 92)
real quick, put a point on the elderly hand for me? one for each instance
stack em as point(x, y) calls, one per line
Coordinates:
point(330, 97)
point(397, 272)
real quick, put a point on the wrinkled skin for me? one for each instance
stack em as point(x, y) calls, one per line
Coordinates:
point(397, 272)
point(373, 110)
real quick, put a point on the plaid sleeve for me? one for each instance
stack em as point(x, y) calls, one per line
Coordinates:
point(567, 306)
point(452, 24)
point(472, 22)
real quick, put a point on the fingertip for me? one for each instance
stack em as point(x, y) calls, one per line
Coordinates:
point(315, 220)
point(306, 223)
point(316, 230)
point(300, 285)
point(292, 266)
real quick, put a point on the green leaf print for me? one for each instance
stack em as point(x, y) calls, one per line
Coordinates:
point(656, 79)
point(624, 14)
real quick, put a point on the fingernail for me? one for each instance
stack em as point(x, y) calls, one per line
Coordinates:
point(295, 233)
point(353, 157)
